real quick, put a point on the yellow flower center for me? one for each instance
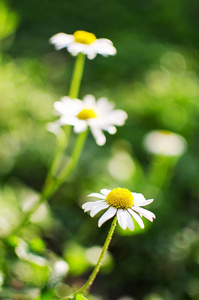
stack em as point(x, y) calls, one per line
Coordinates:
point(84, 37)
point(86, 114)
point(120, 198)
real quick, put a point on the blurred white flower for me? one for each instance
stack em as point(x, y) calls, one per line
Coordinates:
point(54, 128)
point(98, 115)
point(164, 142)
point(83, 42)
point(61, 268)
point(120, 202)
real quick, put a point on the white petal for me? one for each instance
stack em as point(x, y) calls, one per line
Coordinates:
point(67, 120)
point(99, 136)
point(105, 41)
point(117, 117)
point(59, 107)
point(105, 191)
point(146, 213)
point(104, 106)
point(130, 223)
point(122, 219)
point(104, 47)
point(146, 202)
point(67, 106)
point(91, 55)
point(111, 129)
point(54, 128)
point(80, 126)
point(71, 103)
point(76, 48)
point(136, 217)
point(61, 40)
point(140, 199)
point(89, 205)
point(89, 51)
point(98, 208)
point(107, 215)
point(89, 100)
point(97, 195)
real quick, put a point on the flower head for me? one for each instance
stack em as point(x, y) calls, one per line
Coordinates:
point(83, 42)
point(164, 142)
point(98, 115)
point(120, 202)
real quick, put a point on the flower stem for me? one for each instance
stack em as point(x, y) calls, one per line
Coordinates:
point(53, 182)
point(77, 76)
point(160, 170)
point(95, 271)
point(70, 166)
point(62, 141)
point(73, 93)
point(50, 189)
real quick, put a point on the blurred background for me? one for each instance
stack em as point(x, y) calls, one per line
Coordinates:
point(155, 78)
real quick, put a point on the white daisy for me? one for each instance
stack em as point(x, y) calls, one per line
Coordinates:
point(120, 202)
point(83, 42)
point(164, 142)
point(98, 115)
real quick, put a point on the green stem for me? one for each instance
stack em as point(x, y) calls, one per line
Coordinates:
point(63, 142)
point(61, 145)
point(77, 76)
point(49, 190)
point(52, 182)
point(26, 217)
point(160, 170)
point(71, 164)
point(95, 271)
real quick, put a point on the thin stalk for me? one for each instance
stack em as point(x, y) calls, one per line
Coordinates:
point(95, 271)
point(62, 142)
point(160, 170)
point(26, 217)
point(52, 182)
point(71, 164)
point(50, 190)
point(77, 76)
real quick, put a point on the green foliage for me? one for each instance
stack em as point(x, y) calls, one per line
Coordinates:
point(76, 256)
point(8, 20)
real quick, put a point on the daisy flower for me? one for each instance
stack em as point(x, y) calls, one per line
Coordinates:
point(98, 115)
point(83, 42)
point(120, 202)
point(164, 142)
